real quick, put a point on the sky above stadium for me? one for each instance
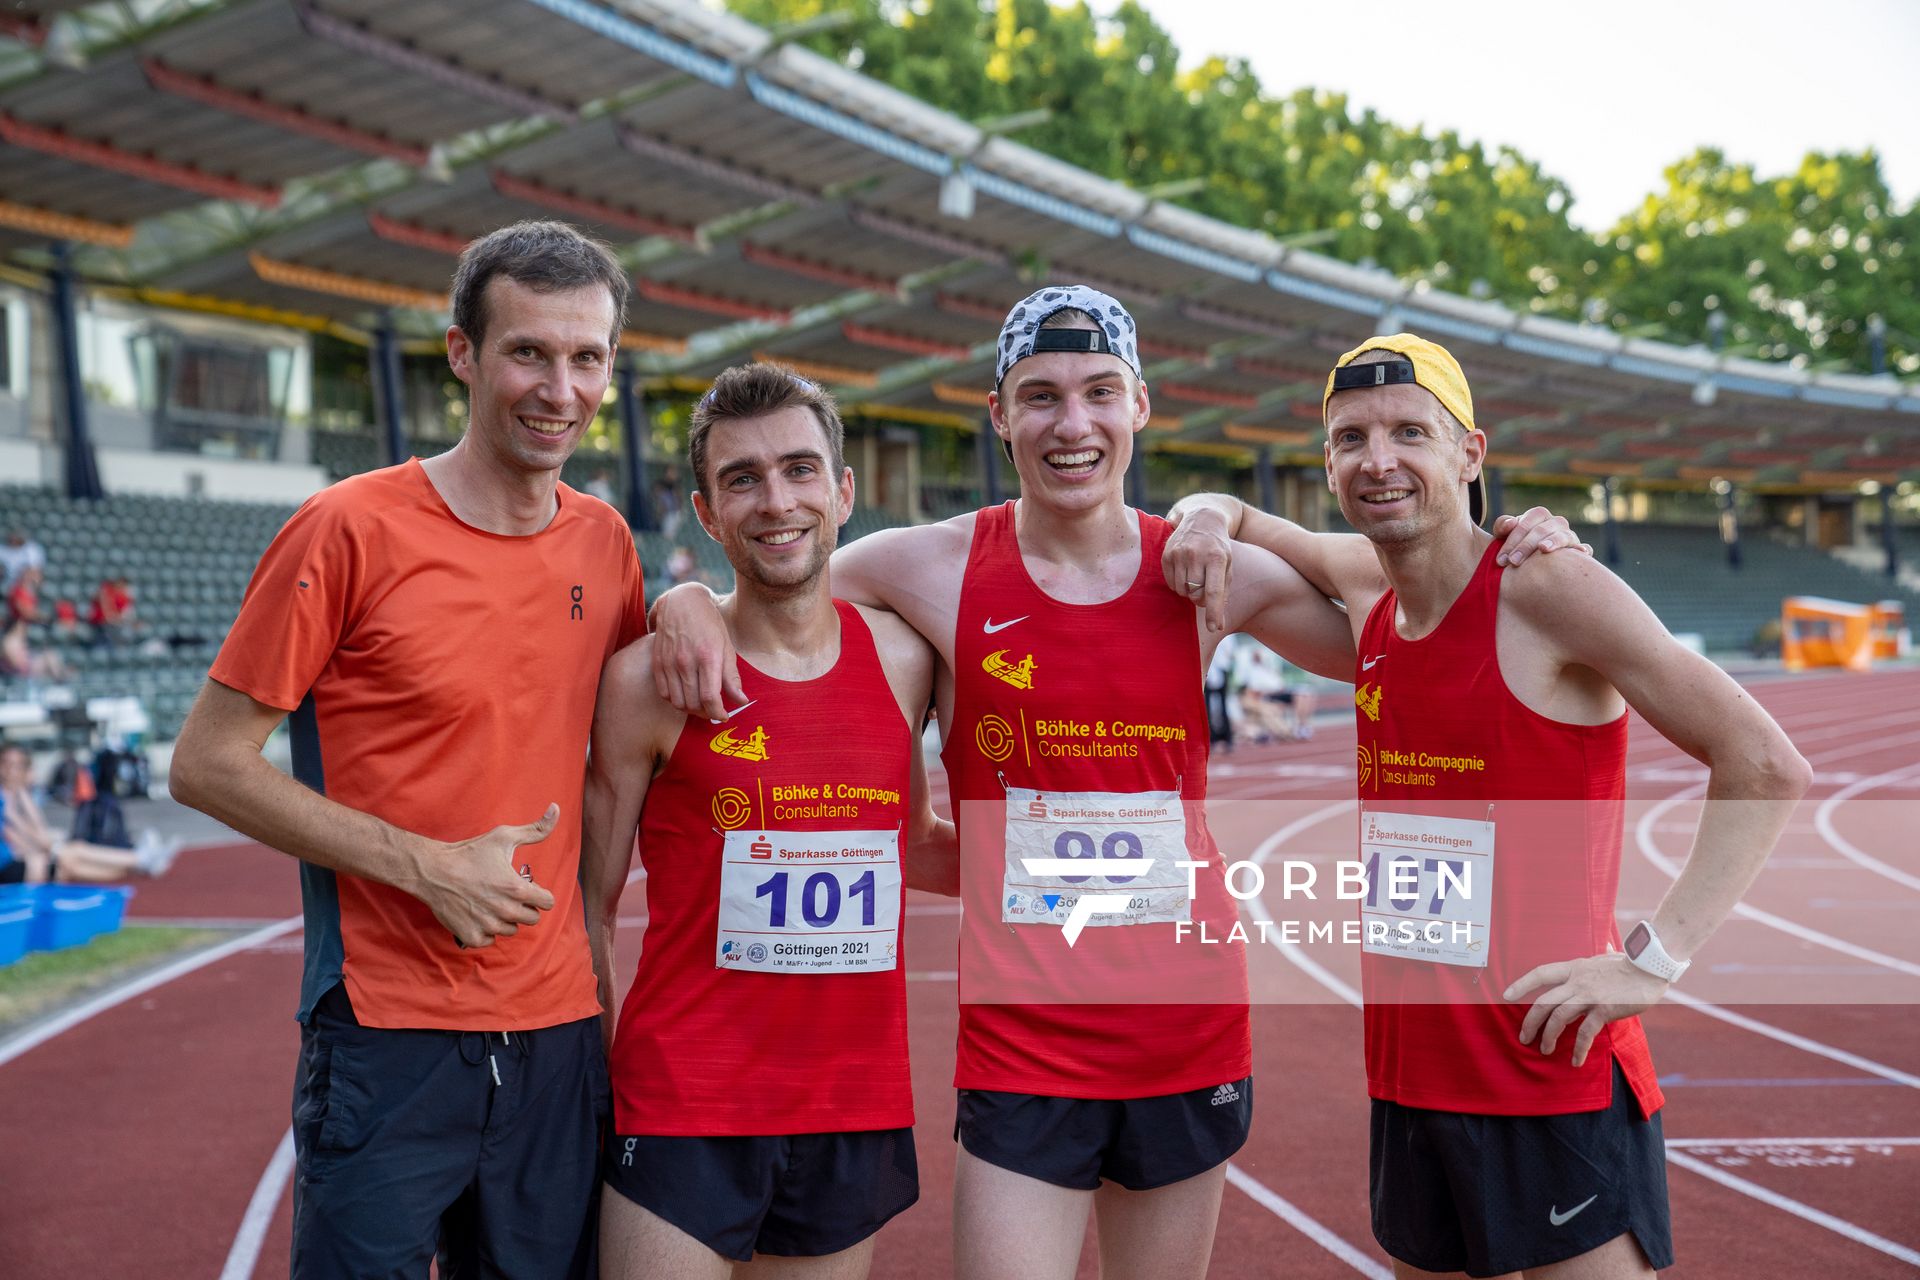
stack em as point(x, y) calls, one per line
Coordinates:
point(1603, 96)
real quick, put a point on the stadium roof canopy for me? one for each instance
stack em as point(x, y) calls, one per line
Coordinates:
point(321, 161)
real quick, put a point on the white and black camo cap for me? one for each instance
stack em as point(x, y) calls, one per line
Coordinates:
point(1022, 336)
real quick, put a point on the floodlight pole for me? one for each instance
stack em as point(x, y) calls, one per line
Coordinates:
point(1887, 539)
point(634, 417)
point(1608, 487)
point(1265, 481)
point(989, 462)
point(386, 390)
point(1729, 521)
point(83, 467)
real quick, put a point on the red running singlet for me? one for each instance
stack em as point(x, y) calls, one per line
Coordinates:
point(1081, 730)
point(1440, 733)
point(770, 997)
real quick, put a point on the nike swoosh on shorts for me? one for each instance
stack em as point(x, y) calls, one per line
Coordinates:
point(1560, 1219)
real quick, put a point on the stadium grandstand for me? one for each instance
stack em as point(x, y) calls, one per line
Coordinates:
point(227, 227)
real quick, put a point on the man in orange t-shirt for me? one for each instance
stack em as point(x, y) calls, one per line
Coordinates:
point(436, 631)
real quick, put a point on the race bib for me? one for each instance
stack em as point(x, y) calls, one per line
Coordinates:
point(1429, 887)
point(1147, 828)
point(809, 901)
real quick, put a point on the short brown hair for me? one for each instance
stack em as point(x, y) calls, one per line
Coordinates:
point(754, 391)
point(546, 257)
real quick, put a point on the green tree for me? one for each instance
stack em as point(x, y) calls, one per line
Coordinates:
point(1797, 263)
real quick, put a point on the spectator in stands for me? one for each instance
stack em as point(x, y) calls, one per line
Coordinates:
point(681, 567)
point(111, 612)
point(666, 503)
point(1257, 673)
point(41, 856)
point(17, 657)
point(17, 555)
point(66, 619)
point(600, 485)
point(23, 597)
point(1218, 684)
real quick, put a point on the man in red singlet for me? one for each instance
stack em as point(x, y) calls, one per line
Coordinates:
point(1070, 732)
point(1515, 1116)
point(762, 1102)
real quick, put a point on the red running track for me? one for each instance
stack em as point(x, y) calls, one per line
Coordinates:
point(137, 1140)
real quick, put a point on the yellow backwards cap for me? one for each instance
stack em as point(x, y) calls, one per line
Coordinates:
point(1434, 369)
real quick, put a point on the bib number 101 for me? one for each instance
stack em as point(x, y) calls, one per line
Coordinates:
point(821, 898)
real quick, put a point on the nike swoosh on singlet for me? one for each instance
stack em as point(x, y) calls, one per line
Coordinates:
point(990, 626)
point(1558, 1219)
point(1366, 664)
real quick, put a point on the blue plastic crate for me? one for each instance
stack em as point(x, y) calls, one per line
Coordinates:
point(114, 911)
point(68, 916)
point(16, 924)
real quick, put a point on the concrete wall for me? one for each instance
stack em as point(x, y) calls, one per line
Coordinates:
point(191, 475)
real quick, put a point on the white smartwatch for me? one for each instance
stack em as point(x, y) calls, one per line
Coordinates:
point(1644, 949)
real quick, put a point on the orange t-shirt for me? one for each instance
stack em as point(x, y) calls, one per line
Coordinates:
point(442, 679)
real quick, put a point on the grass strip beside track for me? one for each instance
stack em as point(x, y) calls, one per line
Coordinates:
point(43, 980)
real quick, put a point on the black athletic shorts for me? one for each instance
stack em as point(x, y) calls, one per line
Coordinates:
point(13, 871)
point(482, 1148)
point(798, 1196)
point(1139, 1143)
point(1492, 1194)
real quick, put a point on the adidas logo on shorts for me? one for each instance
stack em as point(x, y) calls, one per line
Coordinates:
point(1224, 1094)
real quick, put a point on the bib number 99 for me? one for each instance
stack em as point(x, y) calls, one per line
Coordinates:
point(1078, 844)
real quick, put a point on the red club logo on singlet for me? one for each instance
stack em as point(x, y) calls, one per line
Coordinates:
point(1365, 763)
point(1018, 674)
point(1369, 702)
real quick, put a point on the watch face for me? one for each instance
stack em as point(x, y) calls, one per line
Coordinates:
point(1637, 940)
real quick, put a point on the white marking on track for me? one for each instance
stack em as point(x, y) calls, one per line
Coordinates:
point(1643, 835)
point(1307, 1225)
point(1794, 1039)
point(34, 1037)
point(1823, 821)
point(245, 1253)
point(1807, 1212)
point(1293, 952)
point(1687, 1144)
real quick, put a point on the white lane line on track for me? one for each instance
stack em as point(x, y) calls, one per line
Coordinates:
point(1643, 836)
point(1840, 1226)
point(1307, 1225)
point(1794, 1039)
point(1266, 1197)
point(1686, 1144)
point(37, 1036)
point(1858, 1234)
point(1293, 952)
point(245, 1253)
point(1823, 822)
